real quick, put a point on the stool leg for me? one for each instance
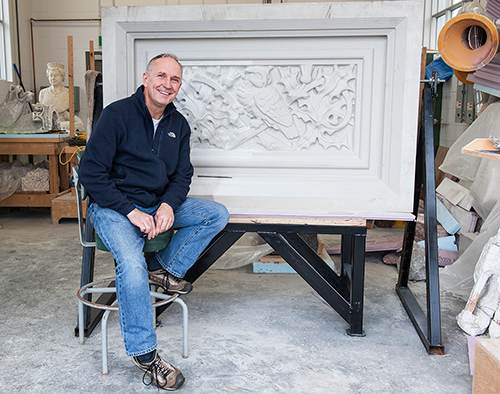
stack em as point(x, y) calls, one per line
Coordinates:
point(153, 300)
point(104, 340)
point(185, 352)
point(81, 323)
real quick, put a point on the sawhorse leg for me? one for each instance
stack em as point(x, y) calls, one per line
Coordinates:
point(92, 316)
point(219, 245)
point(428, 326)
point(344, 293)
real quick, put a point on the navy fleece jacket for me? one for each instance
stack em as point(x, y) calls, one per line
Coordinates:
point(123, 165)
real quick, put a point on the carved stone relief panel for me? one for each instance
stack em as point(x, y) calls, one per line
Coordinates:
point(270, 108)
point(306, 109)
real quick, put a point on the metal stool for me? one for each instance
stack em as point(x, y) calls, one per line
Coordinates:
point(89, 288)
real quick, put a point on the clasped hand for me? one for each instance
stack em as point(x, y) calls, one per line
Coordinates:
point(152, 226)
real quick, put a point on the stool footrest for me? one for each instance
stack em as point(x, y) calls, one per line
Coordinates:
point(108, 308)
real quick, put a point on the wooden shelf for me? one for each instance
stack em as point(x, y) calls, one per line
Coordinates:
point(50, 144)
point(483, 148)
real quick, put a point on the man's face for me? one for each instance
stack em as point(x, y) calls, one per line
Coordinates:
point(162, 83)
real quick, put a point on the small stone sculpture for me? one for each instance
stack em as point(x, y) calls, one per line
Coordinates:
point(483, 303)
point(18, 117)
point(58, 95)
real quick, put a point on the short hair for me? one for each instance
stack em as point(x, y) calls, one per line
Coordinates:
point(161, 56)
point(57, 67)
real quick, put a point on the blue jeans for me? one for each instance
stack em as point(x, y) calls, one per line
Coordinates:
point(196, 220)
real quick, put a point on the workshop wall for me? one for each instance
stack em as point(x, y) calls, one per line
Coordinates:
point(24, 14)
point(450, 128)
point(50, 44)
point(49, 22)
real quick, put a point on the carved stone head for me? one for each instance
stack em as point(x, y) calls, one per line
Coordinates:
point(56, 68)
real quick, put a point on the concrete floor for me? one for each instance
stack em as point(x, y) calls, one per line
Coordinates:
point(249, 333)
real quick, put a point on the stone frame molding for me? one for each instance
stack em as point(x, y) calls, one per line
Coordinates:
point(296, 109)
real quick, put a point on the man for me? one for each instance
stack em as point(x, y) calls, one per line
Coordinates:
point(137, 171)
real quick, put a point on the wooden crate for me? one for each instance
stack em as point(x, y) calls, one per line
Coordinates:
point(486, 366)
point(65, 206)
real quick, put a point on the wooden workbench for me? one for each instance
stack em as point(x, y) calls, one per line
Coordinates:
point(50, 144)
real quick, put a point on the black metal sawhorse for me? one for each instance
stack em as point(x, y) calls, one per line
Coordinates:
point(428, 323)
point(343, 291)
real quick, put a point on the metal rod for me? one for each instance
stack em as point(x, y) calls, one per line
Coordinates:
point(432, 80)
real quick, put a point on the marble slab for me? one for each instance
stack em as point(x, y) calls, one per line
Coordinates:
point(299, 109)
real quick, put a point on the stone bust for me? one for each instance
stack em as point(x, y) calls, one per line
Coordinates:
point(58, 95)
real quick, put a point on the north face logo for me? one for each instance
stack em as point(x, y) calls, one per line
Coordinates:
point(171, 134)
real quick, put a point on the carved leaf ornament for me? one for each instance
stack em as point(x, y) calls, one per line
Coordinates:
point(292, 108)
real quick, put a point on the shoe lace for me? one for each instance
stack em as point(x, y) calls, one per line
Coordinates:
point(174, 279)
point(157, 368)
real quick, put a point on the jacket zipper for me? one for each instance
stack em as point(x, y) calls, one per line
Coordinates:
point(160, 143)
